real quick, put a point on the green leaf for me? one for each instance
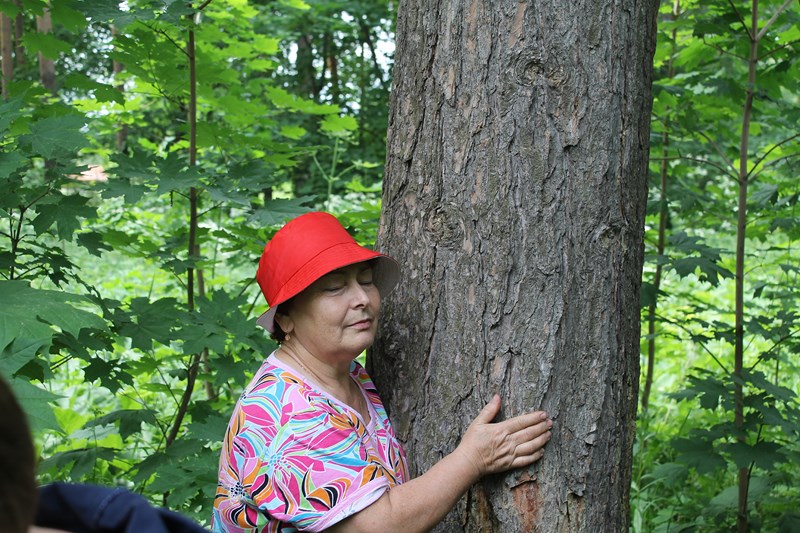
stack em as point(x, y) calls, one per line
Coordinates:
point(130, 420)
point(211, 429)
point(297, 4)
point(83, 460)
point(758, 379)
point(698, 453)
point(763, 454)
point(154, 321)
point(66, 212)
point(64, 15)
point(728, 499)
point(709, 270)
point(9, 111)
point(112, 375)
point(293, 132)
point(101, 91)
point(26, 311)
point(670, 473)
point(277, 212)
point(339, 126)
point(23, 350)
point(46, 43)
point(58, 135)
point(35, 401)
point(9, 162)
point(174, 175)
point(285, 99)
point(764, 194)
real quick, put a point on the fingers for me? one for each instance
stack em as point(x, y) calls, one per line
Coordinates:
point(531, 432)
point(490, 411)
point(526, 460)
point(531, 446)
point(519, 423)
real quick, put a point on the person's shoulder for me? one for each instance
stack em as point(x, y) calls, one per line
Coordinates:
point(360, 374)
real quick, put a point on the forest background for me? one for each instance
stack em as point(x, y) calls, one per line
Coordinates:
point(148, 150)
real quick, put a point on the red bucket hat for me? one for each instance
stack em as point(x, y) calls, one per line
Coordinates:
point(307, 248)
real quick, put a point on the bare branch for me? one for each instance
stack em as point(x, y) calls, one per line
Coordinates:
point(741, 20)
point(769, 23)
point(719, 167)
point(775, 162)
point(766, 154)
point(169, 38)
point(722, 50)
point(694, 339)
point(779, 48)
point(718, 150)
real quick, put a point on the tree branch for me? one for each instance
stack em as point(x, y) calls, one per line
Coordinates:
point(772, 19)
point(741, 19)
point(702, 344)
point(719, 167)
point(169, 38)
point(779, 48)
point(718, 150)
point(722, 50)
point(762, 158)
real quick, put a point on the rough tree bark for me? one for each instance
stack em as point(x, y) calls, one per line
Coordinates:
point(514, 198)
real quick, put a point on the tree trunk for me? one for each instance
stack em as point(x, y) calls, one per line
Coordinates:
point(19, 31)
point(514, 199)
point(6, 55)
point(122, 128)
point(47, 69)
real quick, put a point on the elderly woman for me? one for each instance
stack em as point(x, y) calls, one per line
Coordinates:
point(309, 446)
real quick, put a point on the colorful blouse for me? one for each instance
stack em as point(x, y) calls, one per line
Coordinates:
point(296, 459)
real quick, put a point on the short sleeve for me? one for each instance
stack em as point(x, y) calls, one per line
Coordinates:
point(299, 460)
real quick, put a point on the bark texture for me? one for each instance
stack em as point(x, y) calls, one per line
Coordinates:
point(514, 199)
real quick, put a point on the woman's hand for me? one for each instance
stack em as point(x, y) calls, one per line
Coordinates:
point(513, 443)
point(485, 448)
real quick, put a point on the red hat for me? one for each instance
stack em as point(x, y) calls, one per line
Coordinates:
point(307, 248)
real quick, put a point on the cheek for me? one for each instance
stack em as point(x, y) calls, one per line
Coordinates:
point(376, 301)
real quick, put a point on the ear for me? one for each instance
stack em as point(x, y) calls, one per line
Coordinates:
point(285, 322)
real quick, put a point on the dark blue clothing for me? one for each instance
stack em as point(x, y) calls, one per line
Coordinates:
point(93, 509)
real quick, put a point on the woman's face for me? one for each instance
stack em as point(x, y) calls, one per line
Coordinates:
point(336, 317)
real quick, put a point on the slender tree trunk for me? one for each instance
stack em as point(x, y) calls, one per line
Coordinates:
point(514, 199)
point(306, 78)
point(663, 214)
point(47, 68)
point(332, 62)
point(19, 31)
point(741, 236)
point(6, 54)
point(122, 128)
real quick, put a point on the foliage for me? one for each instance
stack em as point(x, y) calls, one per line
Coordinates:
point(131, 225)
point(135, 202)
point(725, 156)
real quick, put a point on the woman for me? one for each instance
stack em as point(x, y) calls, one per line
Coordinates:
point(309, 446)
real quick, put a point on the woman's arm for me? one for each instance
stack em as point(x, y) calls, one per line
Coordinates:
point(485, 448)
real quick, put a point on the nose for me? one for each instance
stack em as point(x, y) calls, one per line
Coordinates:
point(359, 298)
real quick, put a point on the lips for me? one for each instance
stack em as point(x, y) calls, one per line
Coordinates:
point(362, 324)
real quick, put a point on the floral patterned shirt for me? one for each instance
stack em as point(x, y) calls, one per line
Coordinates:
point(297, 459)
